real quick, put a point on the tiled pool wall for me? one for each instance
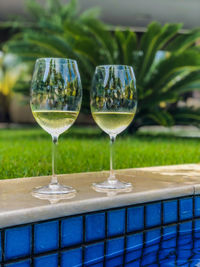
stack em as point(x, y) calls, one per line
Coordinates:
point(95, 238)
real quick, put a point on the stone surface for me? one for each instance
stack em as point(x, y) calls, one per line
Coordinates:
point(18, 206)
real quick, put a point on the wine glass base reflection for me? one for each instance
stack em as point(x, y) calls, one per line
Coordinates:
point(54, 189)
point(53, 198)
point(112, 185)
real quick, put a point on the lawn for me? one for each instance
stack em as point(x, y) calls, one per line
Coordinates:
point(27, 152)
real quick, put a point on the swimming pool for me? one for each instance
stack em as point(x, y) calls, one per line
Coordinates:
point(158, 224)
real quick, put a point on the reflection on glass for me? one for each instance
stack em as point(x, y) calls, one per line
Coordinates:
point(113, 106)
point(56, 95)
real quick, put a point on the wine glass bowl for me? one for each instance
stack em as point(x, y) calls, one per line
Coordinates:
point(113, 106)
point(56, 95)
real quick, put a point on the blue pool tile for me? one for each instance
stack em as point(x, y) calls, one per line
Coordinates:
point(95, 221)
point(197, 206)
point(185, 241)
point(72, 231)
point(149, 259)
point(153, 214)
point(184, 255)
point(71, 258)
point(134, 241)
point(169, 232)
point(197, 225)
point(0, 249)
point(46, 236)
point(135, 218)
point(46, 261)
point(195, 259)
point(167, 253)
point(153, 236)
point(135, 263)
point(17, 242)
point(186, 208)
point(170, 211)
point(168, 262)
point(133, 256)
point(116, 222)
point(26, 263)
point(185, 227)
point(181, 262)
point(115, 247)
point(94, 253)
point(114, 252)
point(134, 246)
point(115, 261)
point(197, 229)
point(169, 237)
point(154, 265)
point(150, 249)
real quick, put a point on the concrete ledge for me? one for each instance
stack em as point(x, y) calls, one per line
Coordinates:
point(18, 206)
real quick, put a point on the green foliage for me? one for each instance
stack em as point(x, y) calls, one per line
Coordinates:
point(166, 63)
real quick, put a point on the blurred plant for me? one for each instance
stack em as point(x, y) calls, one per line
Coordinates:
point(10, 72)
point(56, 30)
point(166, 64)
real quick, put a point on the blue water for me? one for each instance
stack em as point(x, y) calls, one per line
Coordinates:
point(173, 245)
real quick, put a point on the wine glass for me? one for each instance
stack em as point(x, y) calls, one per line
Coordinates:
point(56, 95)
point(113, 105)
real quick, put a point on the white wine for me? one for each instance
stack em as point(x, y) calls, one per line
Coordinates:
point(113, 123)
point(55, 122)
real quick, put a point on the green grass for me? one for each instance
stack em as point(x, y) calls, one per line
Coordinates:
point(27, 152)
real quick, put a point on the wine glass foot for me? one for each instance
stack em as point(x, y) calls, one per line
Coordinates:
point(53, 198)
point(54, 189)
point(112, 185)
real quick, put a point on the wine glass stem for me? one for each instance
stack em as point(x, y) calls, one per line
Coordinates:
point(54, 180)
point(112, 177)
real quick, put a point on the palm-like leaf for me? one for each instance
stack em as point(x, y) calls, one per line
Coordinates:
point(126, 44)
point(172, 68)
point(184, 41)
point(102, 36)
point(162, 117)
point(152, 41)
point(188, 83)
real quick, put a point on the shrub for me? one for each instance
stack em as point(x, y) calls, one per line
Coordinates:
point(166, 63)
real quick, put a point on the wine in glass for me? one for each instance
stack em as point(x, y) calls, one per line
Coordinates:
point(56, 95)
point(113, 105)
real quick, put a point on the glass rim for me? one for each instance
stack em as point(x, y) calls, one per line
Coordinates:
point(115, 66)
point(57, 60)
